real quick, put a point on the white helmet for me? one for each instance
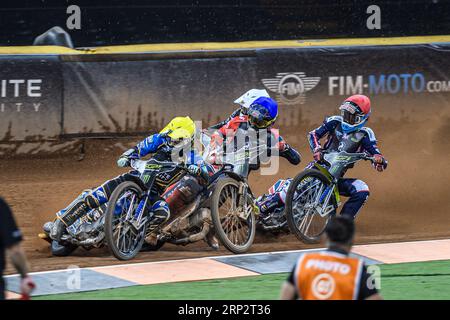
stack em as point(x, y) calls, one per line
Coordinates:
point(250, 96)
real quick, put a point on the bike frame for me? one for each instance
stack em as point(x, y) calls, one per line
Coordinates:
point(338, 162)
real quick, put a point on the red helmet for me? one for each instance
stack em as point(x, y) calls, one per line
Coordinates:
point(362, 101)
point(355, 111)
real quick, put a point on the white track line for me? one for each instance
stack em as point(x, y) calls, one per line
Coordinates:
point(214, 257)
point(166, 261)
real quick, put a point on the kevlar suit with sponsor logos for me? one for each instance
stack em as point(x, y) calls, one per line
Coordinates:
point(228, 141)
point(158, 145)
point(357, 190)
point(362, 140)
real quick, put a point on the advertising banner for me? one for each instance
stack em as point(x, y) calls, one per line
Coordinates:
point(42, 97)
point(31, 89)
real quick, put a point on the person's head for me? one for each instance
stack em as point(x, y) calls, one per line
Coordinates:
point(355, 111)
point(247, 99)
point(262, 113)
point(180, 131)
point(340, 232)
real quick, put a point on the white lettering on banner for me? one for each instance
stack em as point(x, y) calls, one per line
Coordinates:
point(16, 84)
point(347, 85)
point(385, 84)
point(14, 88)
point(438, 86)
point(31, 88)
point(3, 88)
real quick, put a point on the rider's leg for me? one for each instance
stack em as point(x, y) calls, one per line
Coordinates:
point(276, 198)
point(86, 201)
point(161, 213)
point(268, 203)
point(358, 193)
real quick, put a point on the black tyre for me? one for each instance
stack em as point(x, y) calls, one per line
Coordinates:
point(62, 250)
point(122, 238)
point(234, 231)
point(303, 220)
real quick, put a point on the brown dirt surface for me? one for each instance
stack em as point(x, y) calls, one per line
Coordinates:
point(409, 201)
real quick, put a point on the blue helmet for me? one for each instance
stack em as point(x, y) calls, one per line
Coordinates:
point(262, 112)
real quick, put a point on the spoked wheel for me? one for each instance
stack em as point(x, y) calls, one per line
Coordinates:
point(306, 215)
point(123, 237)
point(234, 225)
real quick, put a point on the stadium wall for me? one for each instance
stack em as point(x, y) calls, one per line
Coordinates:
point(48, 93)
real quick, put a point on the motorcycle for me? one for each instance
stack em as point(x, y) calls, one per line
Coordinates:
point(313, 196)
point(230, 212)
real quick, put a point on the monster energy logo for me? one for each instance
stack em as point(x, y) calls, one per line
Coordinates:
point(146, 178)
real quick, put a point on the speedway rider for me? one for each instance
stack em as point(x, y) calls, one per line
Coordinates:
point(175, 136)
point(260, 117)
point(344, 133)
point(244, 102)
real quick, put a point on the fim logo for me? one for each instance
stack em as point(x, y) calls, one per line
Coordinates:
point(291, 87)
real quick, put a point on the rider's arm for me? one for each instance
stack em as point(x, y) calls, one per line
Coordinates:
point(327, 126)
point(286, 151)
point(149, 145)
point(369, 142)
point(146, 146)
point(205, 170)
point(219, 125)
point(289, 153)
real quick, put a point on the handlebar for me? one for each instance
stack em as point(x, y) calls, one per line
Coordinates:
point(362, 155)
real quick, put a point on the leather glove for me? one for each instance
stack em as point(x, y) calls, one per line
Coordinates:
point(124, 160)
point(317, 154)
point(27, 285)
point(379, 163)
point(194, 170)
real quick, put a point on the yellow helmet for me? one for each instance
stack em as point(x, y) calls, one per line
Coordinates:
point(179, 128)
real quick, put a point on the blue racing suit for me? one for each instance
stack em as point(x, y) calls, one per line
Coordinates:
point(156, 144)
point(362, 140)
point(274, 199)
point(357, 190)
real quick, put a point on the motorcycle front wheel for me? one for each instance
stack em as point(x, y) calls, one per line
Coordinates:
point(123, 237)
point(303, 202)
point(234, 225)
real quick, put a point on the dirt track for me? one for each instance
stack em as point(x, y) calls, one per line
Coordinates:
point(408, 201)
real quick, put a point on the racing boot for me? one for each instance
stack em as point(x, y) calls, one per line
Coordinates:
point(66, 217)
point(161, 213)
point(211, 240)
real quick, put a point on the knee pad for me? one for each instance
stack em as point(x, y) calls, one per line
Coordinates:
point(360, 186)
point(161, 212)
point(95, 198)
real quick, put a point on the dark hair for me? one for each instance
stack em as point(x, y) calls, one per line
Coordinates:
point(340, 230)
